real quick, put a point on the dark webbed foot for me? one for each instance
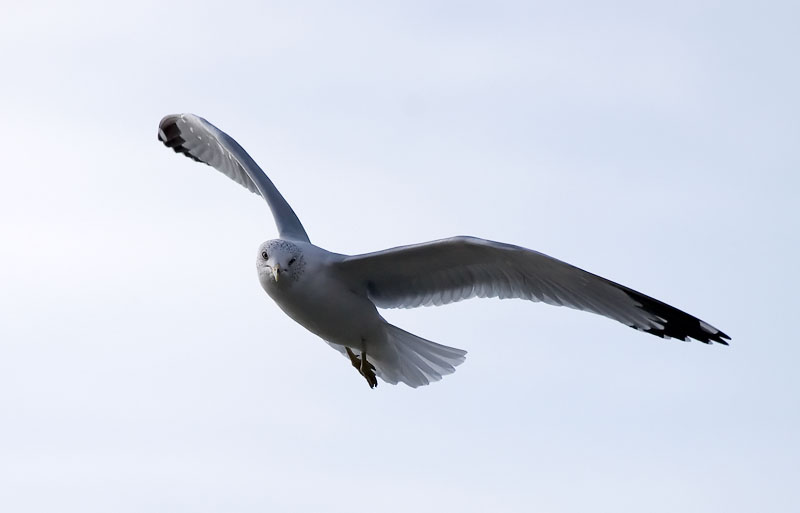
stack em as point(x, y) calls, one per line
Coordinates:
point(355, 360)
point(363, 367)
point(368, 371)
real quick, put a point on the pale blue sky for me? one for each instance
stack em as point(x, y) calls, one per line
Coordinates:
point(142, 368)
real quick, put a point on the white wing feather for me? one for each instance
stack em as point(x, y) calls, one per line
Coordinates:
point(197, 138)
point(449, 270)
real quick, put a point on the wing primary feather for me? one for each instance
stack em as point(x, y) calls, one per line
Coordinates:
point(459, 268)
point(199, 140)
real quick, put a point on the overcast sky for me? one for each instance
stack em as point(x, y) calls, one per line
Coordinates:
point(143, 368)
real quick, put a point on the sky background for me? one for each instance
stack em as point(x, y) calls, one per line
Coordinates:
point(143, 368)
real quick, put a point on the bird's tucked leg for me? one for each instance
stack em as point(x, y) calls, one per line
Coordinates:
point(368, 371)
point(363, 366)
point(355, 360)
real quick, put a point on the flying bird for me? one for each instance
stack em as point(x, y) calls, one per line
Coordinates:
point(337, 296)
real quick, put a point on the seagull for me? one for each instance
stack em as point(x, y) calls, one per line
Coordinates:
point(337, 296)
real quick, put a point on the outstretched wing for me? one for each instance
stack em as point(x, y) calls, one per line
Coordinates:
point(449, 270)
point(197, 138)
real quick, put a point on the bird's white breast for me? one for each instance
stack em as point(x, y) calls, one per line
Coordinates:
point(322, 302)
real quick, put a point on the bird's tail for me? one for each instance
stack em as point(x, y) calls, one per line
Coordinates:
point(412, 360)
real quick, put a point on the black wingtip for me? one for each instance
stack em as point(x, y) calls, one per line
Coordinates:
point(168, 131)
point(676, 323)
point(170, 134)
point(672, 332)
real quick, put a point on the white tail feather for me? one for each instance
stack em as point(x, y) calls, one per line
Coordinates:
point(409, 359)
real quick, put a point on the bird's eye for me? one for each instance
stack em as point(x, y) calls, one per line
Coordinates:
point(292, 261)
point(264, 254)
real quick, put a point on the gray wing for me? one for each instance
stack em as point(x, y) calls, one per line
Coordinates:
point(200, 140)
point(449, 270)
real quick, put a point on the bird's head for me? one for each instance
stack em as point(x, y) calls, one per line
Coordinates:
point(279, 263)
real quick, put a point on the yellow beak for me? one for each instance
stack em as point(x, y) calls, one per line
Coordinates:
point(275, 271)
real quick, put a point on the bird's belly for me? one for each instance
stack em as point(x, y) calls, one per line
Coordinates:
point(338, 315)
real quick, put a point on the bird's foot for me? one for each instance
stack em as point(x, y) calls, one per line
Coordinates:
point(355, 360)
point(363, 367)
point(368, 371)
